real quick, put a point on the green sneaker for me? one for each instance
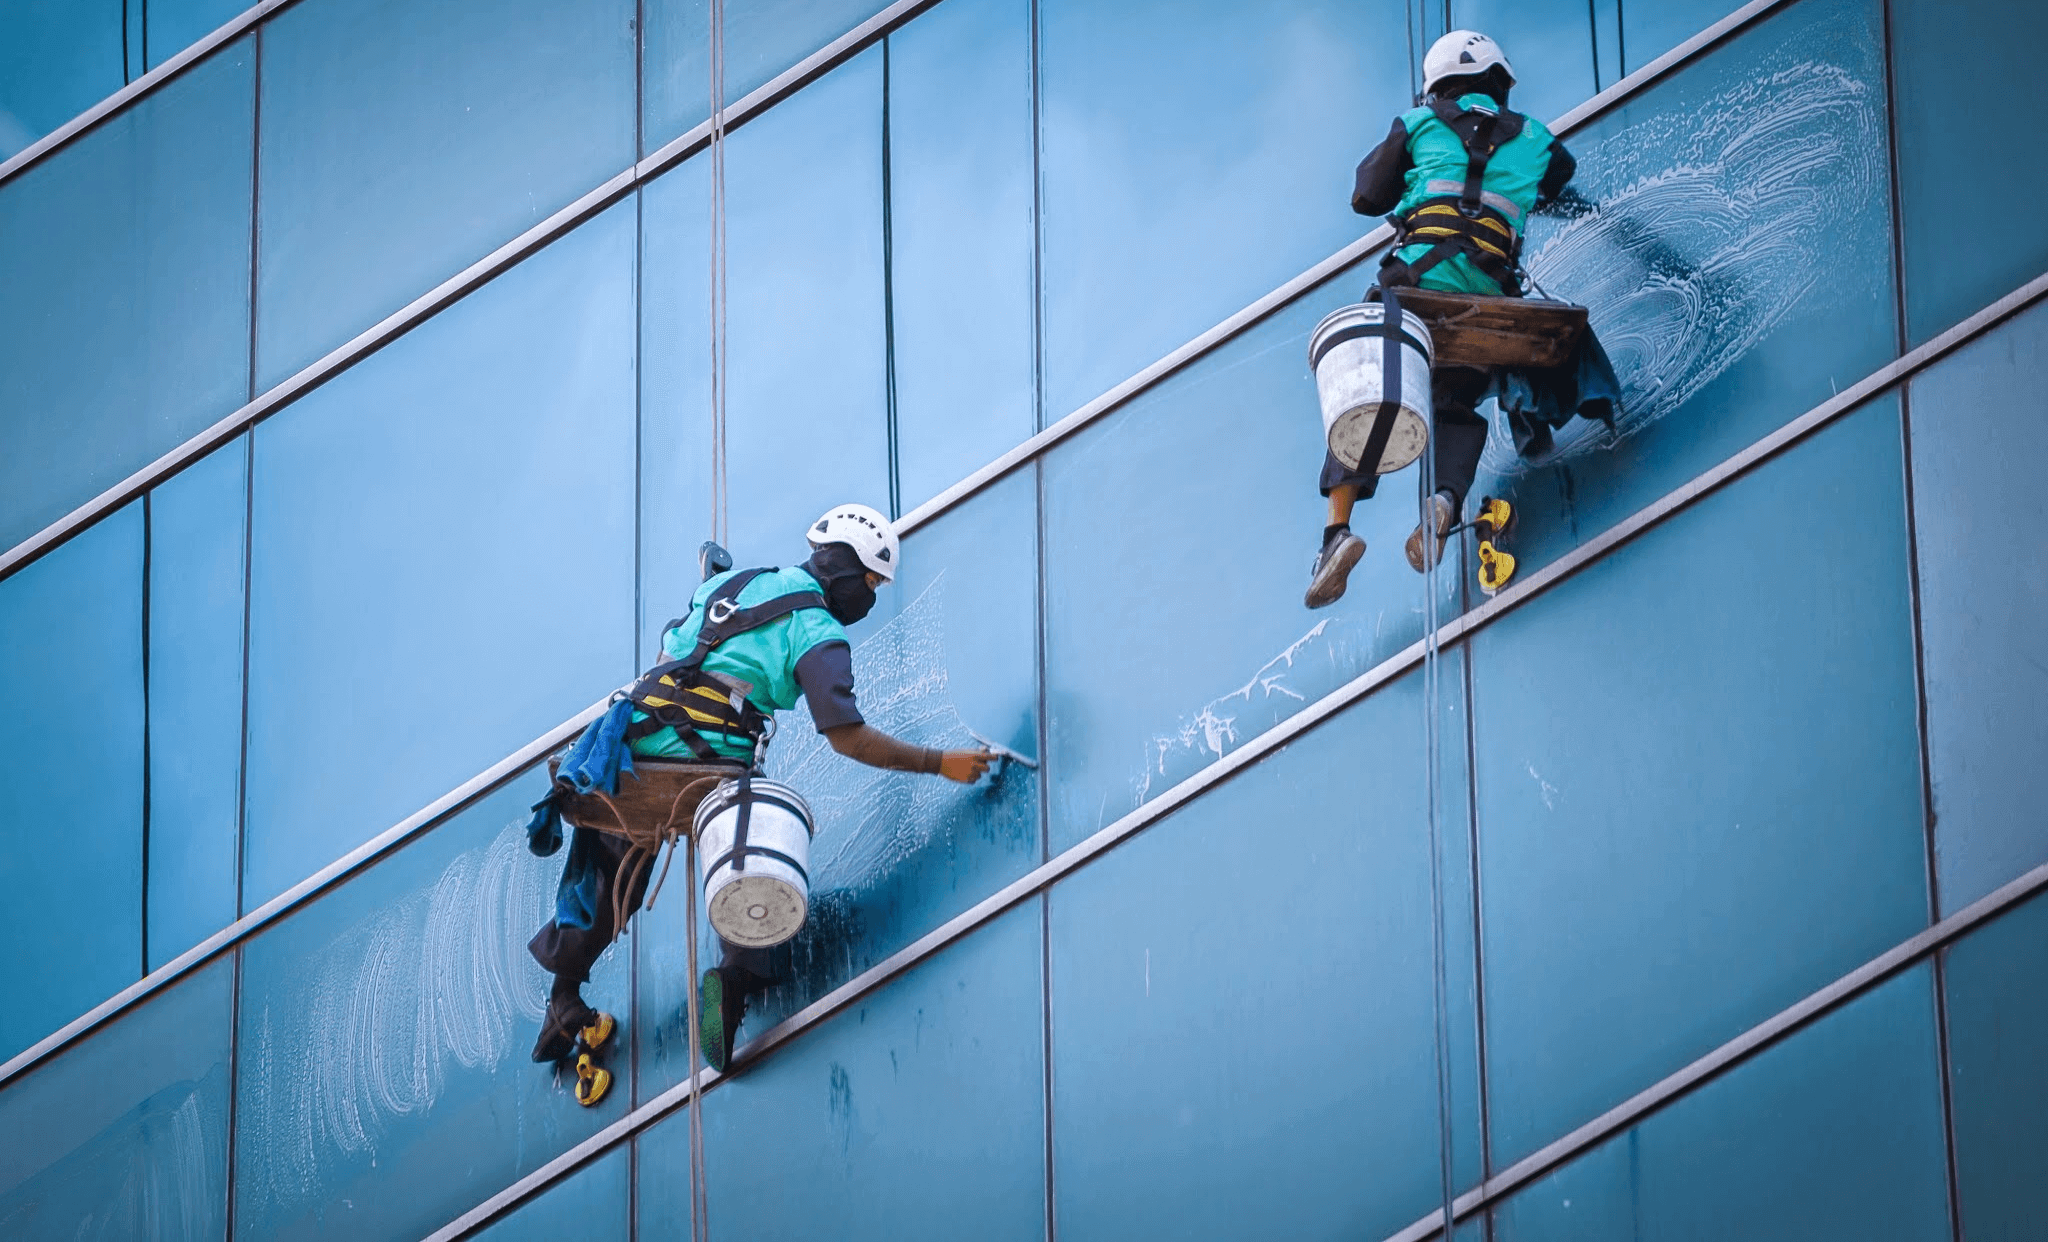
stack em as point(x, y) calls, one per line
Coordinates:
point(720, 1009)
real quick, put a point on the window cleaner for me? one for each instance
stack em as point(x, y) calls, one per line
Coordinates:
point(753, 642)
point(1459, 174)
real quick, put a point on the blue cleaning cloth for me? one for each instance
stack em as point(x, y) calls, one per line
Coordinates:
point(544, 830)
point(576, 895)
point(1536, 401)
point(599, 755)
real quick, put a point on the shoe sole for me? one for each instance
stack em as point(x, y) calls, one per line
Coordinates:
point(1337, 571)
point(1414, 547)
point(711, 1021)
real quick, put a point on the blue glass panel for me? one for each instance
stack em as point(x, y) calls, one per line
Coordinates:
point(1946, 143)
point(1194, 1095)
point(949, 648)
point(1650, 28)
point(961, 239)
point(384, 1084)
point(1997, 1026)
point(443, 555)
point(1195, 156)
point(403, 142)
point(1698, 781)
point(197, 522)
point(126, 1135)
point(170, 26)
point(71, 679)
point(1551, 44)
point(1981, 613)
point(1179, 533)
point(594, 1203)
point(918, 1113)
point(1738, 264)
point(57, 58)
point(1834, 1135)
point(124, 325)
point(807, 411)
point(762, 38)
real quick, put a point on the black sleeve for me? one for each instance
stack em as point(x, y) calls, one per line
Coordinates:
point(826, 674)
point(1555, 177)
point(1383, 176)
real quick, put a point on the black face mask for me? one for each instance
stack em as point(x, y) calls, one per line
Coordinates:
point(848, 597)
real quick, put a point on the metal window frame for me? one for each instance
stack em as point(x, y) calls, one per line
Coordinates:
point(1524, 1171)
point(662, 160)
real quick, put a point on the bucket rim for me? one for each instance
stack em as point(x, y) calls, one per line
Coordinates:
point(1411, 323)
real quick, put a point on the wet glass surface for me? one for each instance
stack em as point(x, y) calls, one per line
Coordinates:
point(1834, 1135)
point(125, 1135)
point(1977, 434)
point(916, 1114)
point(1195, 156)
point(961, 240)
point(71, 680)
point(124, 329)
point(762, 38)
point(948, 649)
point(384, 1084)
point(1947, 146)
point(1184, 1104)
point(1997, 1027)
point(196, 558)
point(403, 142)
point(1736, 259)
point(443, 555)
point(1179, 535)
point(1698, 782)
point(56, 60)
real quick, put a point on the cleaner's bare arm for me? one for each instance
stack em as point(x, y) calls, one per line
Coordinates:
point(863, 743)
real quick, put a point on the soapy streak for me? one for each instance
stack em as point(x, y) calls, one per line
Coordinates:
point(1711, 225)
point(1209, 730)
point(379, 1018)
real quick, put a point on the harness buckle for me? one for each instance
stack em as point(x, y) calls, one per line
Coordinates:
point(721, 611)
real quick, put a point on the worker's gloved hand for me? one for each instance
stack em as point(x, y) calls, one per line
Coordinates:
point(965, 766)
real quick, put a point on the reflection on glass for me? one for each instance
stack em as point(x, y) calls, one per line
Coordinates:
point(1698, 782)
point(1834, 1135)
point(948, 650)
point(196, 555)
point(384, 1084)
point(762, 38)
point(1733, 245)
point(590, 1204)
point(918, 1114)
point(71, 683)
point(1195, 156)
point(1179, 534)
point(124, 291)
point(1650, 28)
point(125, 1135)
point(1550, 43)
point(56, 60)
point(961, 239)
point(174, 25)
point(446, 531)
point(1997, 1024)
point(403, 142)
point(1195, 1094)
point(1974, 481)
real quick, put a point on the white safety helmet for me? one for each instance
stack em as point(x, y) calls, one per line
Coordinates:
point(867, 532)
point(1459, 53)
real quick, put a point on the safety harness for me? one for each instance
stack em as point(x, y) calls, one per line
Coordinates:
point(1470, 222)
point(681, 695)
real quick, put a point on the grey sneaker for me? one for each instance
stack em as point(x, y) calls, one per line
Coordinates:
point(1341, 550)
point(1440, 510)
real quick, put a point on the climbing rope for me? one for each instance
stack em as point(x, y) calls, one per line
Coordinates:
point(700, 1216)
point(1432, 761)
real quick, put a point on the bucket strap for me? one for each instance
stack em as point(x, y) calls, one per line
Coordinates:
point(1391, 348)
point(739, 851)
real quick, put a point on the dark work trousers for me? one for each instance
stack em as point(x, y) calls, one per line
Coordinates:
point(569, 952)
point(1459, 435)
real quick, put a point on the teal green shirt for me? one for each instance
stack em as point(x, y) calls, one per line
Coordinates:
point(1512, 176)
point(765, 658)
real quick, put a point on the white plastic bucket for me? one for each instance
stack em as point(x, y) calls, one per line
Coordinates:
point(1344, 352)
point(759, 893)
